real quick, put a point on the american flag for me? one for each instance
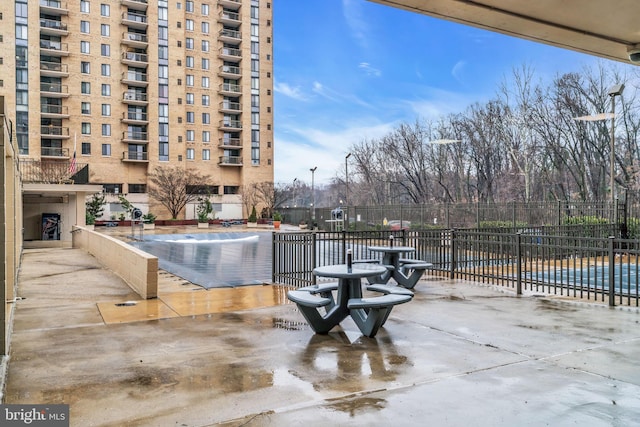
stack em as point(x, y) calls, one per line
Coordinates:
point(72, 165)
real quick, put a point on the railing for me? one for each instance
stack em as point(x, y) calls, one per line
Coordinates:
point(134, 96)
point(56, 4)
point(54, 87)
point(235, 124)
point(135, 155)
point(134, 76)
point(232, 142)
point(54, 66)
point(135, 37)
point(53, 45)
point(230, 160)
point(229, 105)
point(134, 135)
point(233, 34)
point(135, 17)
point(135, 56)
point(135, 116)
point(54, 109)
point(54, 131)
point(230, 69)
point(228, 51)
point(53, 172)
point(53, 24)
point(230, 87)
point(558, 261)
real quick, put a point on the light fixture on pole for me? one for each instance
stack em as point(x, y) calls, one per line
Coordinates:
point(613, 92)
point(346, 179)
point(313, 197)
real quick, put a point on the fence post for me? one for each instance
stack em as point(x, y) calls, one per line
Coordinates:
point(452, 255)
point(519, 263)
point(612, 267)
point(344, 246)
point(313, 256)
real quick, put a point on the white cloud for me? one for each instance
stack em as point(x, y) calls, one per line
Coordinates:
point(458, 71)
point(352, 10)
point(369, 70)
point(288, 91)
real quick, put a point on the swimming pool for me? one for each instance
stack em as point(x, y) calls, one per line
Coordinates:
point(213, 260)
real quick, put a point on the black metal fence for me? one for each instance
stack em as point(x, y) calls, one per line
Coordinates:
point(573, 261)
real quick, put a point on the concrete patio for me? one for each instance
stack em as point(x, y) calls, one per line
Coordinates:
point(460, 354)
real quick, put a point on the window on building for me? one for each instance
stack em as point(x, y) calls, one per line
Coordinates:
point(206, 154)
point(206, 118)
point(206, 136)
point(85, 47)
point(106, 110)
point(204, 10)
point(85, 108)
point(205, 45)
point(105, 30)
point(85, 88)
point(163, 52)
point(206, 100)
point(190, 98)
point(163, 151)
point(205, 63)
point(204, 26)
point(105, 10)
point(105, 49)
point(84, 27)
point(189, 24)
point(205, 82)
point(191, 153)
point(190, 117)
point(84, 6)
point(105, 69)
point(189, 43)
point(106, 129)
point(85, 148)
point(189, 80)
point(189, 6)
point(189, 62)
point(85, 67)
point(191, 136)
point(106, 149)
point(86, 128)
point(106, 90)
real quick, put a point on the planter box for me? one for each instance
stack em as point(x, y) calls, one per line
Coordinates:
point(252, 224)
point(146, 226)
point(203, 225)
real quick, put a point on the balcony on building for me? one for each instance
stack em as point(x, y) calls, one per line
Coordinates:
point(230, 143)
point(232, 107)
point(54, 69)
point(229, 71)
point(133, 97)
point(135, 137)
point(135, 59)
point(135, 4)
point(229, 125)
point(54, 48)
point(230, 161)
point(54, 132)
point(230, 4)
point(135, 40)
point(230, 54)
point(54, 90)
point(230, 36)
point(229, 18)
point(134, 78)
point(53, 27)
point(54, 7)
point(135, 118)
point(54, 111)
point(54, 153)
point(230, 89)
point(135, 157)
point(135, 20)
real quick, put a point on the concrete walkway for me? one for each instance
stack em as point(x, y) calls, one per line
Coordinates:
point(460, 354)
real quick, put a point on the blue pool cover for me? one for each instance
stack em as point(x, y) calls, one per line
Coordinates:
point(213, 260)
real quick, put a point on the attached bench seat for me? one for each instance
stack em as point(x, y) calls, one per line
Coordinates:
point(389, 289)
point(308, 304)
point(371, 313)
point(366, 261)
point(320, 288)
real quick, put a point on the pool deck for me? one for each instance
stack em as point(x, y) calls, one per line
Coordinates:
point(459, 354)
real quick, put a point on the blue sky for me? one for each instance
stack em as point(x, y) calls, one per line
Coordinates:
point(348, 70)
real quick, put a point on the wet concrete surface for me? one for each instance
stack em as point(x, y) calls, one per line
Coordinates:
point(459, 354)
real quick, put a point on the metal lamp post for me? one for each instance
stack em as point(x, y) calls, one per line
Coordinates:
point(613, 92)
point(313, 197)
point(346, 188)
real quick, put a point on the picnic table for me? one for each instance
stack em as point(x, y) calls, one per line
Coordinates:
point(323, 312)
point(405, 272)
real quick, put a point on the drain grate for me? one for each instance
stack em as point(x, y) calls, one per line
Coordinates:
point(126, 304)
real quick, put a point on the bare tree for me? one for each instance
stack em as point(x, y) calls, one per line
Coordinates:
point(174, 187)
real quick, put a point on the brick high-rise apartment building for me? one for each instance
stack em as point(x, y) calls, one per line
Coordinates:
point(133, 85)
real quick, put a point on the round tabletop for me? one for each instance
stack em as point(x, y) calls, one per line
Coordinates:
point(391, 249)
point(357, 270)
